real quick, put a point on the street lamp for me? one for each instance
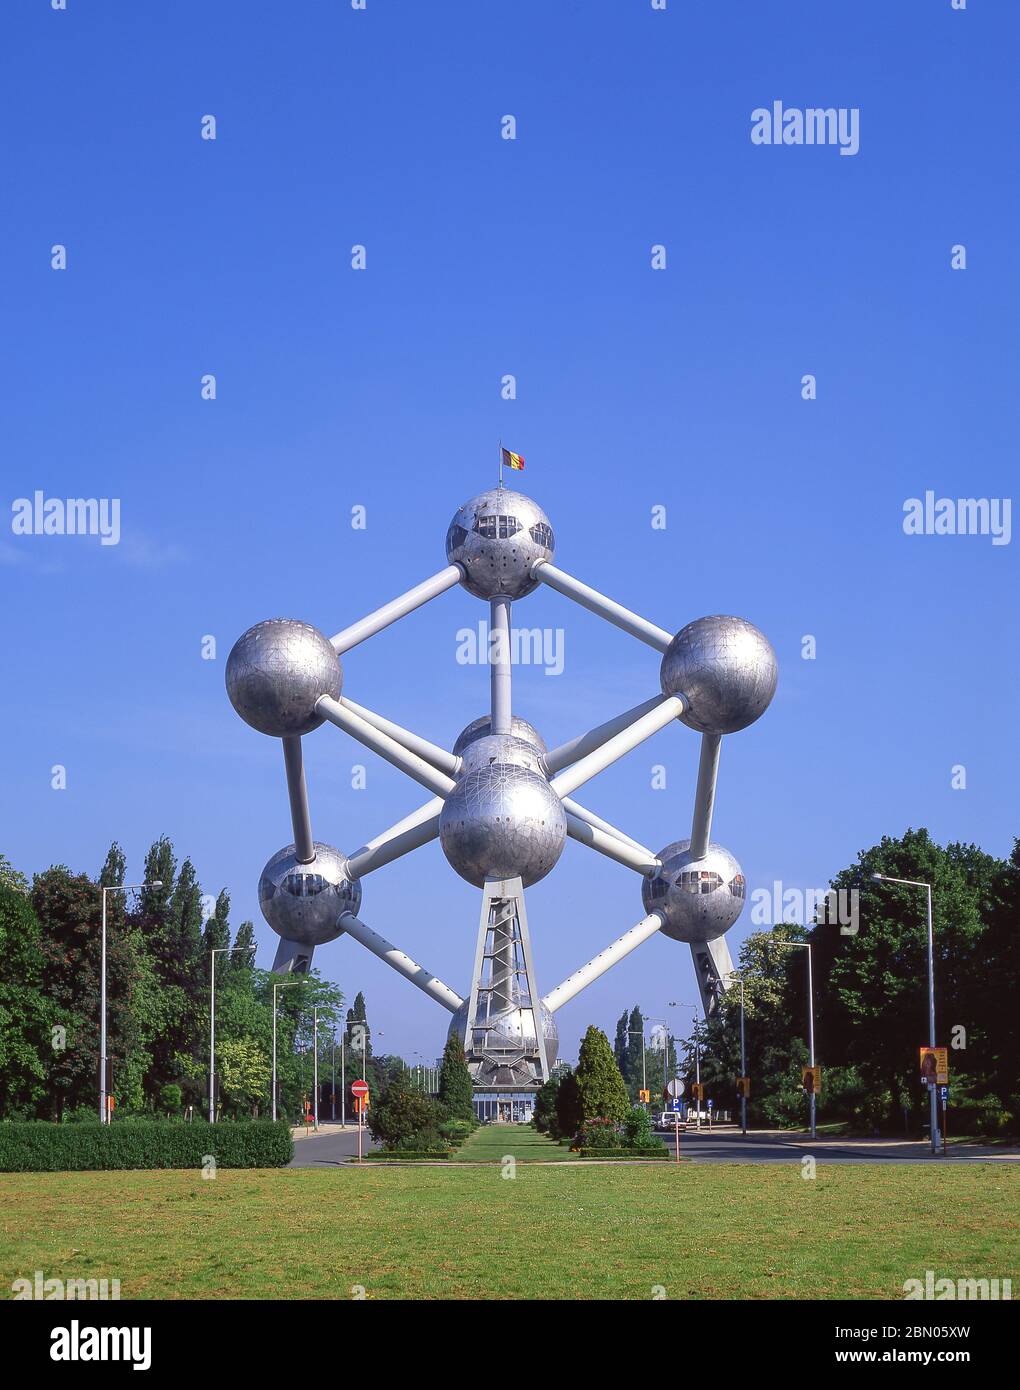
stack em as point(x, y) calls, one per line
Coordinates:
point(735, 975)
point(920, 883)
point(214, 952)
point(811, 1018)
point(104, 1108)
point(285, 985)
point(679, 1004)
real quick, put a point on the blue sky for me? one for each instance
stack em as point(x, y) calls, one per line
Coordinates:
point(380, 388)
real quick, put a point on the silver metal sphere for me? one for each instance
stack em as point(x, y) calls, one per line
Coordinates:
point(482, 728)
point(502, 821)
point(501, 748)
point(726, 671)
point(496, 538)
point(513, 1029)
point(275, 673)
point(700, 899)
point(303, 902)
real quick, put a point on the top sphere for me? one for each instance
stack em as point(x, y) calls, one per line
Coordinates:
point(496, 538)
point(725, 670)
point(277, 671)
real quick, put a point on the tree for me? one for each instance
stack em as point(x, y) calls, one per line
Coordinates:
point(26, 1015)
point(68, 908)
point(544, 1115)
point(455, 1088)
point(568, 1107)
point(245, 1073)
point(600, 1087)
point(402, 1113)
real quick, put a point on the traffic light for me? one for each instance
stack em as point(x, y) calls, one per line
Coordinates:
point(744, 1087)
point(645, 1097)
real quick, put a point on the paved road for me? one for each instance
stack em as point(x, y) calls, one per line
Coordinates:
point(332, 1145)
point(767, 1146)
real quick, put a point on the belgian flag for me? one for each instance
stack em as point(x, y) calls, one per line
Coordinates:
point(515, 461)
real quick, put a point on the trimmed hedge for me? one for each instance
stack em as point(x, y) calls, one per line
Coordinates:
point(396, 1156)
point(624, 1153)
point(40, 1147)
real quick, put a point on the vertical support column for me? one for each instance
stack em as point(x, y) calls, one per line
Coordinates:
point(713, 964)
point(294, 762)
point(499, 664)
point(504, 995)
point(704, 797)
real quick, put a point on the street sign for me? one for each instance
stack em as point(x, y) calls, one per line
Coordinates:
point(811, 1080)
point(675, 1088)
point(359, 1089)
point(676, 1105)
point(934, 1062)
point(710, 1103)
point(943, 1094)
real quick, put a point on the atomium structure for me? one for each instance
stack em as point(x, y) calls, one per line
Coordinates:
point(502, 803)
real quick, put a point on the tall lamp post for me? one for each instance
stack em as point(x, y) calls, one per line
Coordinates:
point(919, 883)
point(734, 975)
point(104, 1099)
point(276, 988)
point(214, 952)
point(811, 1018)
point(679, 1004)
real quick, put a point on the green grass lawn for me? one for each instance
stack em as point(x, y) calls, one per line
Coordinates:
point(698, 1231)
point(493, 1143)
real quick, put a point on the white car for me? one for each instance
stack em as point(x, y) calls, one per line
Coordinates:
point(668, 1119)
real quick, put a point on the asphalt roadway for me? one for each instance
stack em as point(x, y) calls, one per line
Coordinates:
point(334, 1146)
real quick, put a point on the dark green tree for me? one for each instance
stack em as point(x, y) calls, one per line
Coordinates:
point(402, 1113)
point(455, 1088)
point(568, 1107)
point(601, 1091)
point(27, 1040)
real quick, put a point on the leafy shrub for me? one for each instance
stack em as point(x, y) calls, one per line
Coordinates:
point(424, 1141)
point(170, 1096)
point(401, 1113)
point(456, 1131)
point(41, 1147)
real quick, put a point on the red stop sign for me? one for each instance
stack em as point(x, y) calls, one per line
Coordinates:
point(359, 1088)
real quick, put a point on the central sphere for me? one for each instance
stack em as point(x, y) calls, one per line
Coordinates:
point(502, 821)
point(304, 902)
point(699, 898)
point(496, 538)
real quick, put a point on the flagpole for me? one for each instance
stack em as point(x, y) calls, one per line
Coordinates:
point(501, 462)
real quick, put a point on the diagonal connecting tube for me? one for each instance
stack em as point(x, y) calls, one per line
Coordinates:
point(386, 747)
point(401, 963)
point(595, 602)
point(663, 712)
point(607, 842)
point(412, 832)
point(622, 946)
point(397, 608)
